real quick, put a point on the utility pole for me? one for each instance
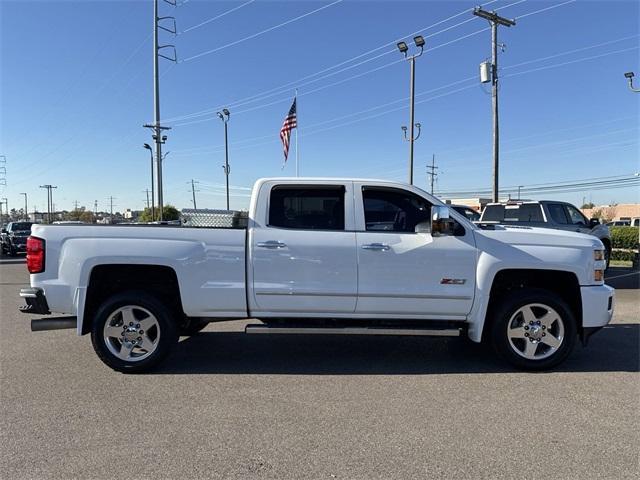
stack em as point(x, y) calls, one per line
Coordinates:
point(432, 171)
point(111, 202)
point(156, 127)
point(95, 208)
point(6, 205)
point(75, 205)
point(404, 48)
point(193, 192)
point(495, 20)
point(224, 116)
point(49, 201)
point(147, 190)
point(153, 196)
point(26, 211)
point(519, 187)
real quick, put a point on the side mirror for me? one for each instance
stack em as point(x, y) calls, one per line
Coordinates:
point(440, 221)
point(594, 222)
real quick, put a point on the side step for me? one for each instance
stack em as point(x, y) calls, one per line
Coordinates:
point(438, 332)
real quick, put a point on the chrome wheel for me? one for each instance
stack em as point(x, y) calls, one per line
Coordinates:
point(131, 333)
point(535, 331)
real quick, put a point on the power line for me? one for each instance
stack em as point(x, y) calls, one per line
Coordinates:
point(278, 90)
point(206, 22)
point(300, 17)
point(281, 88)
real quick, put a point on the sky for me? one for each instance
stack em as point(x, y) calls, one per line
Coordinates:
point(76, 87)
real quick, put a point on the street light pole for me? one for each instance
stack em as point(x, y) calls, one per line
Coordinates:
point(403, 47)
point(224, 116)
point(153, 197)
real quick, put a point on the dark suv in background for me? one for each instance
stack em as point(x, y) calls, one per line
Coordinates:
point(547, 214)
point(14, 237)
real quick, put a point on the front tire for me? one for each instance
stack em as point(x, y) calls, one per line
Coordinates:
point(533, 329)
point(133, 332)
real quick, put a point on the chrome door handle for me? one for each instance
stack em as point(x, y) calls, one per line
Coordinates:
point(271, 244)
point(376, 246)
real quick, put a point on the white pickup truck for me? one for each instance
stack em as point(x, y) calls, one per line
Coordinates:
point(322, 255)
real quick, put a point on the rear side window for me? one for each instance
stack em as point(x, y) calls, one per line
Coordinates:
point(557, 213)
point(526, 212)
point(307, 208)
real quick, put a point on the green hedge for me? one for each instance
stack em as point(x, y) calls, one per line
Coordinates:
point(624, 237)
point(626, 255)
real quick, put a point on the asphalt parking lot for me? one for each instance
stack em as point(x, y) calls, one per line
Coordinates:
point(228, 405)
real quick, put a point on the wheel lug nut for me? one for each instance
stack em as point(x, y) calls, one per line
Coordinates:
point(530, 323)
point(130, 324)
point(538, 322)
point(544, 328)
point(526, 327)
point(544, 334)
point(141, 332)
point(526, 334)
point(139, 338)
point(137, 325)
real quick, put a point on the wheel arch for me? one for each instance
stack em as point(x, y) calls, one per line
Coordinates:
point(110, 279)
point(564, 284)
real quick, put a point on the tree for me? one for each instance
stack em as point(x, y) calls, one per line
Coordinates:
point(87, 217)
point(169, 212)
point(587, 205)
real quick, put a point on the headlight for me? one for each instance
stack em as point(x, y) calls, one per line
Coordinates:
point(598, 255)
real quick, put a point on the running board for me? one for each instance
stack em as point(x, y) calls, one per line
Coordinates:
point(439, 332)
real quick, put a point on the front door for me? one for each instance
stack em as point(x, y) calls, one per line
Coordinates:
point(304, 256)
point(406, 273)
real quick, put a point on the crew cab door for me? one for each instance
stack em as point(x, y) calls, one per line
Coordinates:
point(402, 272)
point(303, 250)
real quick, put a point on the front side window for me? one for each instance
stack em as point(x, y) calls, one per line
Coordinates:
point(307, 208)
point(393, 210)
point(576, 216)
point(557, 213)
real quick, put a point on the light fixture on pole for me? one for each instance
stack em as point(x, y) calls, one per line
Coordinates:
point(629, 76)
point(404, 49)
point(224, 116)
point(153, 198)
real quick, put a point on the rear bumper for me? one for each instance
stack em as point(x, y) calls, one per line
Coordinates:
point(598, 303)
point(35, 301)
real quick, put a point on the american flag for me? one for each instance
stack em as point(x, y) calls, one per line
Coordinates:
point(290, 122)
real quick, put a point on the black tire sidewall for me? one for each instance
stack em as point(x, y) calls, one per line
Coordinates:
point(168, 330)
point(508, 307)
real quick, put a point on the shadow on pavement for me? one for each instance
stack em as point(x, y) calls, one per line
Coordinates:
point(614, 349)
point(622, 278)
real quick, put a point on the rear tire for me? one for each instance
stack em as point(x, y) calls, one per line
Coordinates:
point(133, 332)
point(533, 329)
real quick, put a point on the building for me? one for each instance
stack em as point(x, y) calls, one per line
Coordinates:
point(610, 213)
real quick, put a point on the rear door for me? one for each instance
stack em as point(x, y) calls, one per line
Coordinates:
point(406, 273)
point(303, 253)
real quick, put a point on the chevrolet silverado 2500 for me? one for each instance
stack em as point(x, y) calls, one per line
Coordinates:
point(322, 256)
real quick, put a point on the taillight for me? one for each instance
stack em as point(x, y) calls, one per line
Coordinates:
point(35, 255)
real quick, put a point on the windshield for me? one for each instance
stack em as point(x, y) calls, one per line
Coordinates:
point(525, 212)
point(19, 226)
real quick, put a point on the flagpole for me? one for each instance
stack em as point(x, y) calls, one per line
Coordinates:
point(297, 127)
